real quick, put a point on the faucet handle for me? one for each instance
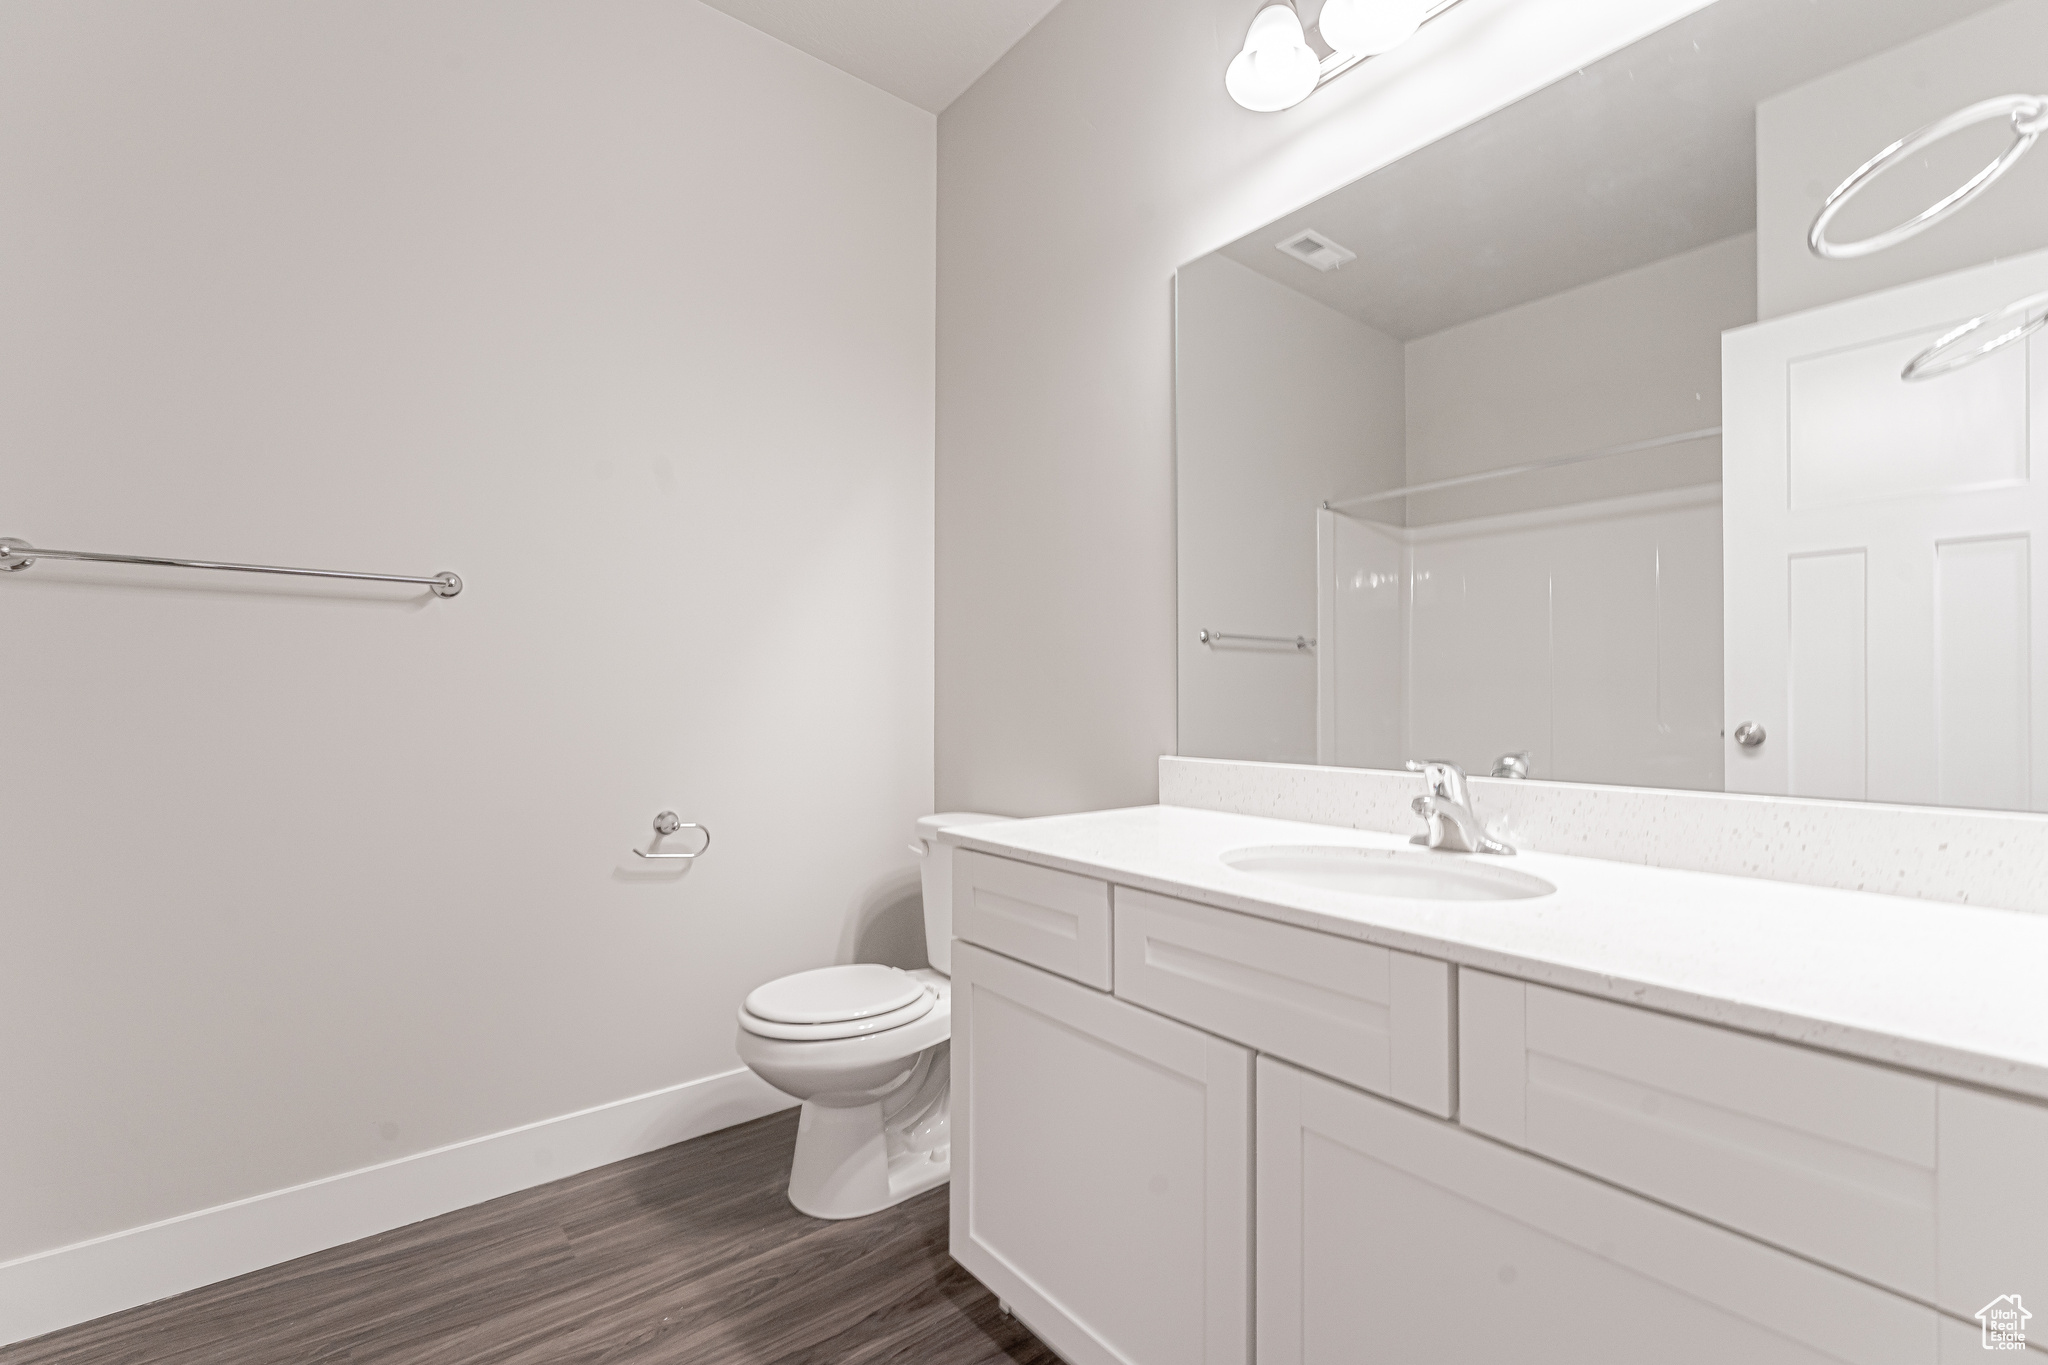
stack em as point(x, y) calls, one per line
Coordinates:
point(1443, 778)
point(1514, 765)
point(1432, 835)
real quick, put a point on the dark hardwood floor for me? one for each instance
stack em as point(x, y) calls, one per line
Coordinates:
point(689, 1254)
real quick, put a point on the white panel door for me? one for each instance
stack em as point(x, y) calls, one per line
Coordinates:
point(1101, 1168)
point(1388, 1238)
point(1887, 618)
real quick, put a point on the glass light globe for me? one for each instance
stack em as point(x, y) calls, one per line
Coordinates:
point(1277, 69)
point(1366, 28)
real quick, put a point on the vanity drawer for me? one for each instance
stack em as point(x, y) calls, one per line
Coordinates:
point(1934, 1190)
point(1365, 1015)
point(1051, 919)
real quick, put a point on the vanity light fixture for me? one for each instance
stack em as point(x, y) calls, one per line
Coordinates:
point(1366, 28)
point(1278, 68)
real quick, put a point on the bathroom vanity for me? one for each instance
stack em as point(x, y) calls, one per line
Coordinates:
point(1233, 1088)
point(1624, 444)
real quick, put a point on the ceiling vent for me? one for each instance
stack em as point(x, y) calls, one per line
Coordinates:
point(1312, 248)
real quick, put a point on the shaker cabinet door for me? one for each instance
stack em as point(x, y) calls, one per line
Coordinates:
point(1101, 1168)
point(1927, 1188)
point(1385, 1236)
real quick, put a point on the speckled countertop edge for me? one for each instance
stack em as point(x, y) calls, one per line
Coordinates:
point(1967, 857)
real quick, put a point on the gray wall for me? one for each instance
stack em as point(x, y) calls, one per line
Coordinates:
point(1629, 358)
point(621, 310)
point(1281, 403)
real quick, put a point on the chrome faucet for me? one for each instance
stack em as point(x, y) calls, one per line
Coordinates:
point(1447, 806)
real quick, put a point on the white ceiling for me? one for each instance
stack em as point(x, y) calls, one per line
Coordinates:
point(1645, 154)
point(924, 51)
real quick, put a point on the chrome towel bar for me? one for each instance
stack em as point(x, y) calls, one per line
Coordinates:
point(1212, 637)
point(16, 555)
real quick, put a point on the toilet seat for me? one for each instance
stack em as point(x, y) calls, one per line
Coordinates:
point(844, 1028)
point(836, 1002)
point(832, 995)
point(818, 1058)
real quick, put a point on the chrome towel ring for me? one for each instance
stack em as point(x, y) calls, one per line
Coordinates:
point(1947, 354)
point(2029, 116)
point(667, 823)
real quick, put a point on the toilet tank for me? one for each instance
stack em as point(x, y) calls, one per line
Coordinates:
point(938, 883)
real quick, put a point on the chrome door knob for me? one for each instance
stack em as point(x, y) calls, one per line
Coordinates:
point(1749, 734)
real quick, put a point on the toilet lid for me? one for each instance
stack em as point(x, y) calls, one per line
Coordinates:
point(835, 995)
point(917, 1009)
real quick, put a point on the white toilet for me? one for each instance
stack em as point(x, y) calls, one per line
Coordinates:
point(865, 1047)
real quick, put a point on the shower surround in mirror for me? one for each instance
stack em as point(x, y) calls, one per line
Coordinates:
point(1781, 531)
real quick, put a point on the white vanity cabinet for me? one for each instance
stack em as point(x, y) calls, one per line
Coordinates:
point(1374, 1018)
point(1101, 1168)
point(1385, 1236)
point(1440, 1165)
point(1041, 915)
point(1932, 1189)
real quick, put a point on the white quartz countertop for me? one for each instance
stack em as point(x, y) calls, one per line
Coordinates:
point(1950, 990)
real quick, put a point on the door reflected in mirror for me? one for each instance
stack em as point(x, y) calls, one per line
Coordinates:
point(1568, 448)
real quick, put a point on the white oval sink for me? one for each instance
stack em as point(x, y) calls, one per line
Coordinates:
point(1386, 873)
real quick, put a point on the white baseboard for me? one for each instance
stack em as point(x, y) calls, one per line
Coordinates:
point(87, 1280)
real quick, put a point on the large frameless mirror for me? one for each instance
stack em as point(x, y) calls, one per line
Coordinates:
point(1670, 427)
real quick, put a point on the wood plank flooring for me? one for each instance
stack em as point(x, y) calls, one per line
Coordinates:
point(689, 1254)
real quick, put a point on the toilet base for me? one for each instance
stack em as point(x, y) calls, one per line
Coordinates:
point(859, 1159)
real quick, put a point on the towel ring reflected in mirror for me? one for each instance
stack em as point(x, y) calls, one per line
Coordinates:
point(2029, 116)
point(1948, 354)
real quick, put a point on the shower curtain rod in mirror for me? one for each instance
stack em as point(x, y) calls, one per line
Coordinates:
point(1533, 466)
